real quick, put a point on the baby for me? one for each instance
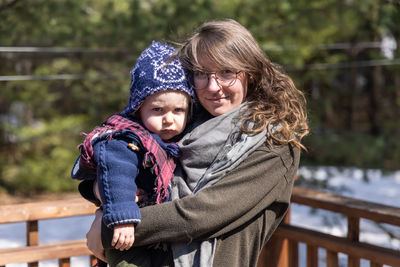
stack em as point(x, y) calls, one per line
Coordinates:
point(136, 148)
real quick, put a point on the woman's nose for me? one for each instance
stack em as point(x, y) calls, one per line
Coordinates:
point(213, 84)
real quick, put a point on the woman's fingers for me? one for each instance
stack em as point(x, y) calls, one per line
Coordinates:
point(94, 237)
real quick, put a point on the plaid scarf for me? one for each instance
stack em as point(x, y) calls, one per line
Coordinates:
point(162, 164)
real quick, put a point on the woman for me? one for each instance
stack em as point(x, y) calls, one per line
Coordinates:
point(238, 163)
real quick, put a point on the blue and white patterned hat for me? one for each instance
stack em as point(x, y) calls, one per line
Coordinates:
point(156, 71)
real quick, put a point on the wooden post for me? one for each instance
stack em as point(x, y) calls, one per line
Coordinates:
point(276, 252)
point(285, 252)
point(353, 233)
point(32, 237)
point(312, 256)
point(332, 259)
point(64, 262)
point(293, 253)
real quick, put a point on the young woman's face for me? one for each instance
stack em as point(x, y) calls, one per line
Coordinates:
point(165, 113)
point(219, 98)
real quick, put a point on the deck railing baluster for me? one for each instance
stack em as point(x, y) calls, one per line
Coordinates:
point(332, 259)
point(293, 253)
point(353, 234)
point(65, 262)
point(312, 256)
point(32, 237)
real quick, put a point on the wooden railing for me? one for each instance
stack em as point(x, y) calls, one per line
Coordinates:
point(283, 248)
point(281, 251)
point(31, 213)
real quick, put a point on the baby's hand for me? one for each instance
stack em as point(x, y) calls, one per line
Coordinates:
point(124, 236)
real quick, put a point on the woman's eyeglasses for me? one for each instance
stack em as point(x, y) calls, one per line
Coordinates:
point(225, 78)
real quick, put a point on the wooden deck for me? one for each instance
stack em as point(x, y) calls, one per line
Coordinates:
point(281, 251)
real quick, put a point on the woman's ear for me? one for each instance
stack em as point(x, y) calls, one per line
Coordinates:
point(250, 80)
point(250, 84)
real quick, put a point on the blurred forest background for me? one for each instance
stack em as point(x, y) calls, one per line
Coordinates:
point(65, 67)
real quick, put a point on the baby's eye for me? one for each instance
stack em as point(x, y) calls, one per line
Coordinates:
point(180, 110)
point(157, 109)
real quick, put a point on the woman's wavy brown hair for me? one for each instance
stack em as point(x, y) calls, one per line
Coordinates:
point(272, 97)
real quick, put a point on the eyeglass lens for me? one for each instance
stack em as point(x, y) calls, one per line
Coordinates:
point(223, 78)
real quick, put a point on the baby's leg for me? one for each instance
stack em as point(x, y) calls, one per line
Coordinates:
point(134, 257)
point(96, 191)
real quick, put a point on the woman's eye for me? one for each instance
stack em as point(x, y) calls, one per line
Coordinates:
point(180, 110)
point(226, 72)
point(200, 75)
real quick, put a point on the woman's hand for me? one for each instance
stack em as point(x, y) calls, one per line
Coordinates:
point(93, 237)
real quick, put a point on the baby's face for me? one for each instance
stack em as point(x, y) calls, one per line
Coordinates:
point(165, 113)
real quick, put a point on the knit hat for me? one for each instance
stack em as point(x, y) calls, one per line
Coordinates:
point(156, 71)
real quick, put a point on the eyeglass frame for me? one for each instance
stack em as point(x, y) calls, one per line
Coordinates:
point(216, 78)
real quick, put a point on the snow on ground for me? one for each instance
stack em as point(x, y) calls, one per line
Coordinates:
point(370, 185)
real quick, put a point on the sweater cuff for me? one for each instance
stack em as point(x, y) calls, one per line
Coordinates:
point(121, 214)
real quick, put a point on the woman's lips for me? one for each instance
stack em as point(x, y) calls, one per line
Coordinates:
point(217, 99)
